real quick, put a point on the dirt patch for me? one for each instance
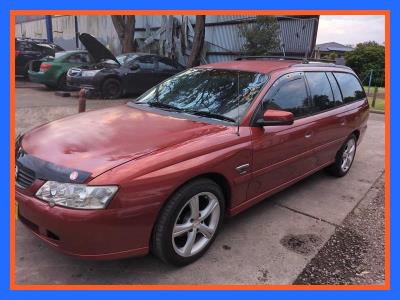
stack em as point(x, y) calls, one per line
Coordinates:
point(226, 247)
point(263, 275)
point(355, 253)
point(303, 244)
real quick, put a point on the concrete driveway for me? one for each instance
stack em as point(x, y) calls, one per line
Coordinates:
point(270, 243)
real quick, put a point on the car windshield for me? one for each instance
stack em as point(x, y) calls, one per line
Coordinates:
point(60, 54)
point(213, 93)
point(126, 58)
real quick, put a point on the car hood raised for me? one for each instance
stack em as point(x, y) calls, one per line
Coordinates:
point(100, 140)
point(96, 49)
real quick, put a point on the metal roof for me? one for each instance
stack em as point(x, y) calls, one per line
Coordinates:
point(333, 46)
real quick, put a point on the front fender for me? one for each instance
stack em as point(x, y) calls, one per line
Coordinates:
point(154, 178)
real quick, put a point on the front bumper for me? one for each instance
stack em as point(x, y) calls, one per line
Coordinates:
point(95, 234)
point(82, 82)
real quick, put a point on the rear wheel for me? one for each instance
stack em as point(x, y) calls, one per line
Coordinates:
point(344, 157)
point(189, 222)
point(111, 88)
point(62, 83)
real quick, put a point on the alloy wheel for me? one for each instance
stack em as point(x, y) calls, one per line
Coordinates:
point(196, 224)
point(348, 154)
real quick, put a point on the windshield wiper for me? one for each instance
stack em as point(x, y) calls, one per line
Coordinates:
point(209, 115)
point(161, 105)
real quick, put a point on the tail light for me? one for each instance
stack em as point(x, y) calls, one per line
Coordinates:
point(44, 67)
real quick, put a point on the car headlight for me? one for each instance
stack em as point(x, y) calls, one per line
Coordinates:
point(90, 73)
point(78, 196)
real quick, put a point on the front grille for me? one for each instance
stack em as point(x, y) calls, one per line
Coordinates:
point(25, 177)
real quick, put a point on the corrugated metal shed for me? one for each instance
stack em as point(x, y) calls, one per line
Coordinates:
point(222, 38)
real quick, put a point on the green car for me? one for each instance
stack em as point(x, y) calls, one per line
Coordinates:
point(52, 71)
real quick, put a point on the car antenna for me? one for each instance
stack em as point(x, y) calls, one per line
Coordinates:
point(238, 102)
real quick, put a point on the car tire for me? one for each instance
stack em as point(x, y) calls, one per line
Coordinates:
point(62, 83)
point(111, 88)
point(50, 87)
point(179, 237)
point(26, 69)
point(344, 157)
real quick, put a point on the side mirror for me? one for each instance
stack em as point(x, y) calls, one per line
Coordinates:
point(274, 117)
point(134, 67)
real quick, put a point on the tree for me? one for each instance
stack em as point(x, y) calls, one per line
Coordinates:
point(262, 37)
point(198, 42)
point(365, 57)
point(125, 28)
point(332, 56)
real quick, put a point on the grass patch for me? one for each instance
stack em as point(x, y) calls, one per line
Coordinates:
point(371, 89)
point(379, 104)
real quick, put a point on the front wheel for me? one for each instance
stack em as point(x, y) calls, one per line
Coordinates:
point(344, 157)
point(189, 222)
point(111, 88)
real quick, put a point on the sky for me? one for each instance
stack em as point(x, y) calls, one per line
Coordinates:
point(351, 29)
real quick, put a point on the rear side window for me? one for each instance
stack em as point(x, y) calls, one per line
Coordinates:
point(320, 90)
point(335, 89)
point(289, 93)
point(350, 87)
point(146, 62)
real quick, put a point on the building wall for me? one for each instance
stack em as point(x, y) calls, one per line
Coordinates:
point(222, 37)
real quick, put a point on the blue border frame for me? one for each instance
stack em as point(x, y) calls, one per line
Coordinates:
point(8, 5)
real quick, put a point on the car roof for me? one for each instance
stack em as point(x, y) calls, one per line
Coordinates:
point(271, 65)
point(33, 40)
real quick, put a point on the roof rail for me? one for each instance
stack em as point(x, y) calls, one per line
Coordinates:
point(271, 57)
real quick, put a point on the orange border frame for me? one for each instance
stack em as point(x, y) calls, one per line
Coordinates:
point(14, 286)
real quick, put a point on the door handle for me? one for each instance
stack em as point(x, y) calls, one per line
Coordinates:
point(308, 135)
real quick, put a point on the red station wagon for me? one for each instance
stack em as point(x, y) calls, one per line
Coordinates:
point(160, 173)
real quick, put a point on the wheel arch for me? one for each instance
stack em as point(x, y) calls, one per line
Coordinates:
point(109, 76)
point(218, 178)
point(356, 133)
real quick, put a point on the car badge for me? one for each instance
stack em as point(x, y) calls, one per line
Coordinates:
point(74, 175)
point(52, 203)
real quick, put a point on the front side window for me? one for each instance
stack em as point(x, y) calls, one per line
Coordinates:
point(214, 92)
point(320, 90)
point(350, 87)
point(289, 93)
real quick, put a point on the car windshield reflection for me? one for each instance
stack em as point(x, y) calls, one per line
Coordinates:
point(213, 93)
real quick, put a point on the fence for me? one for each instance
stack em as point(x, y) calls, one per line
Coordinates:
point(374, 81)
